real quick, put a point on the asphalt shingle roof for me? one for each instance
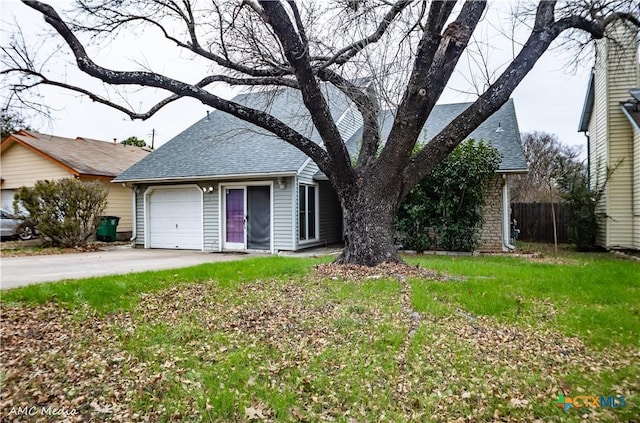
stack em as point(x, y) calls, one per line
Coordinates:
point(506, 140)
point(223, 145)
point(85, 156)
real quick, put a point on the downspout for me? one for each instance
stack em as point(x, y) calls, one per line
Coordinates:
point(506, 215)
point(586, 134)
point(134, 226)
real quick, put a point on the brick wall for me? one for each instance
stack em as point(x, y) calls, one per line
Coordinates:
point(491, 232)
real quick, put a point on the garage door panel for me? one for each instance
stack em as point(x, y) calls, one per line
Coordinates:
point(175, 218)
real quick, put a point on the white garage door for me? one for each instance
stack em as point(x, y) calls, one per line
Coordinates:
point(175, 218)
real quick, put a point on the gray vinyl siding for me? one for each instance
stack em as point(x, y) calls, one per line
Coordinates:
point(305, 177)
point(307, 173)
point(350, 122)
point(330, 215)
point(283, 214)
point(210, 214)
point(329, 210)
point(295, 216)
point(284, 217)
point(139, 241)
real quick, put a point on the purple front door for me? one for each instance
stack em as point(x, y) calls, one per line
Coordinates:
point(235, 218)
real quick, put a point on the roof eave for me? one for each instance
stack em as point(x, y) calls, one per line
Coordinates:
point(513, 171)
point(587, 108)
point(95, 175)
point(633, 122)
point(204, 178)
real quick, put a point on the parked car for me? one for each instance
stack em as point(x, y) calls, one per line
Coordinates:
point(13, 227)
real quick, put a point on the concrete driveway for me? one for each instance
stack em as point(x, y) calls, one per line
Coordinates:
point(20, 271)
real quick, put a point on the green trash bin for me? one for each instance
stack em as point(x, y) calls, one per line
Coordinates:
point(106, 230)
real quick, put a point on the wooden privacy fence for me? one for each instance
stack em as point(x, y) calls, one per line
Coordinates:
point(536, 224)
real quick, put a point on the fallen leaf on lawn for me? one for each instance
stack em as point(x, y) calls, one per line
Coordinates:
point(253, 413)
point(516, 402)
point(105, 410)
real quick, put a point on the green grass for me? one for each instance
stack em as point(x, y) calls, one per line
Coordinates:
point(593, 296)
point(502, 336)
point(121, 292)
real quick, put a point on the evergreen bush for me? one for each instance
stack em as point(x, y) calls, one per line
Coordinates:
point(444, 211)
point(66, 212)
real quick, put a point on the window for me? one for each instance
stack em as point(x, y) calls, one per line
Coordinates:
point(307, 212)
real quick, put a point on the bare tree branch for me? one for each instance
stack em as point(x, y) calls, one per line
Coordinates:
point(315, 102)
point(428, 80)
point(343, 55)
point(367, 108)
point(115, 20)
point(181, 89)
point(545, 31)
point(305, 45)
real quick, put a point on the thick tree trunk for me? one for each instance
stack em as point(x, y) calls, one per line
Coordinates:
point(369, 230)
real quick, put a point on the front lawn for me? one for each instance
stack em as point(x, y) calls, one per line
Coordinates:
point(491, 338)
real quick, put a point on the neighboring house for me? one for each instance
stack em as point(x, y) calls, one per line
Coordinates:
point(226, 185)
point(28, 156)
point(611, 121)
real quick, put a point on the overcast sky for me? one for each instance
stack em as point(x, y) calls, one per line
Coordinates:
point(549, 99)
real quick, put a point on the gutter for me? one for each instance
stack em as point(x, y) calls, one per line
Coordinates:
point(512, 171)
point(588, 136)
point(206, 178)
point(506, 208)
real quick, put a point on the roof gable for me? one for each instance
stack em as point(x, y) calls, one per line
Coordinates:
point(587, 108)
point(500, 130)
point(221, 145)
point(80, 156)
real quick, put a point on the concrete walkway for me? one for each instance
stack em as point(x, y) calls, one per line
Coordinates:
point(21, 271)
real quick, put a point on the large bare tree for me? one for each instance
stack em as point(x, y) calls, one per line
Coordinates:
point(410, 49)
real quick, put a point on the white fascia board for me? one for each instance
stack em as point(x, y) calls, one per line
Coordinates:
point(210, 177)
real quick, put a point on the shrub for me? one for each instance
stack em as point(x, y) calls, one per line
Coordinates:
point(66, 212)
point(582, 204)
point(444, 211)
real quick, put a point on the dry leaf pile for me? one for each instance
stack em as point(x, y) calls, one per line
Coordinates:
point(385, 270)
point(362, 356)
point(21, 252)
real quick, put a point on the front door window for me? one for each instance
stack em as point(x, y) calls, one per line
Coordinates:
point(235, 218)
point(247, 223)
